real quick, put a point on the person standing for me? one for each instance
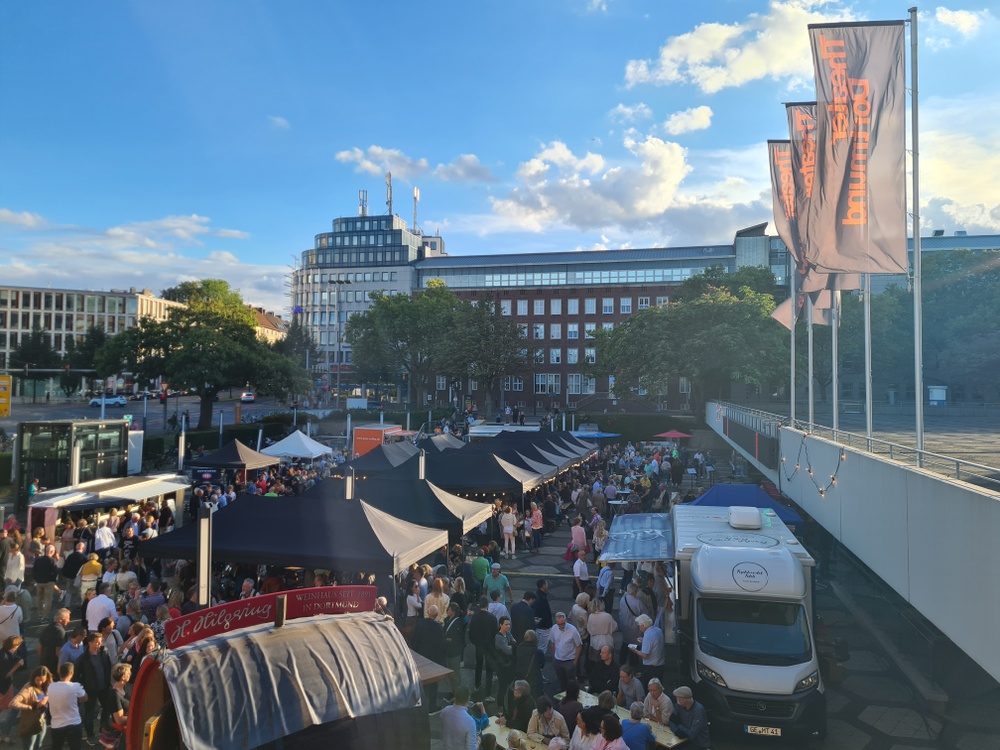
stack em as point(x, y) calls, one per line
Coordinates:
point(64, 702)
point(651, 649)
point(566, 648)
point(458, 728)
point(102, 606)
point(33, 696)
point(428, 641)
point(482, 628)
point(581, 576)
point(45, 572)
point(522, 615)
point(496, 581)
point(543, 615)
point(454, 641)
point(93, 672)
point(51, 639)
point(503, 652)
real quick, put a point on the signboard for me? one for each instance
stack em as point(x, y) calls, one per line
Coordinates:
point(258, 610)
point(5, 395)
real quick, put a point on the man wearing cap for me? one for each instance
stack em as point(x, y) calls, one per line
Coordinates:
point(496, 581)
point(566, 648)
point(690, 718)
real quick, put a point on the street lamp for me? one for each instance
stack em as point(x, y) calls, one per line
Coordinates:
point(336, 310)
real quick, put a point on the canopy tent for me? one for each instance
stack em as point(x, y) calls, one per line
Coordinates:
point(234, 455)
point(411, 500)
point(297, 445)
point(304, 531)
point(444, 442)
point(257, 685)
point(533, 446)
point(462, 472)
point(510, 455)
point(383, 458)
point(672, 435)
point(726, 495)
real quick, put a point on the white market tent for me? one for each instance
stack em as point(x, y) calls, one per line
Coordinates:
point(297, 445)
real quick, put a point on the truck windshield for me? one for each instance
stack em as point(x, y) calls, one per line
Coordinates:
point(750, 632)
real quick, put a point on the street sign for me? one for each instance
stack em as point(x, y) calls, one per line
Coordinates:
point(5, 395)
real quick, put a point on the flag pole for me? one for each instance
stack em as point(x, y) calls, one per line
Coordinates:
point(868, 357)
point(918, 323)
point(791, 290)
point(809, 344)
point(835, 362)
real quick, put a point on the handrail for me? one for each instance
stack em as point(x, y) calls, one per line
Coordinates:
point(768, 423)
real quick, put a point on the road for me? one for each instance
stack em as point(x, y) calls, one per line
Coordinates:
point(156, 415)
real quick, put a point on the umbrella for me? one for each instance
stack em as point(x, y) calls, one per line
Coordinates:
point(672, 435)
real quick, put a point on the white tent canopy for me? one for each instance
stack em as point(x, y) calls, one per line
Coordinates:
point(297, 445)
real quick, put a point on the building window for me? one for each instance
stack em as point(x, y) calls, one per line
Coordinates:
point(643, 303)
point(539, 332)
point(441, 383)
point(555, 331)
point(588, 330)
point(539, 307)
point(523, 330)
point(572, 307)
point(517, 384)
point(548, 383)
point(555, 307)
point(522, 307)
point(505, 307)
point(684, 385)
point(590, 306)
point(608, 305)
point(572, 330)
point(555, 356)
point(572, 356)
point(577, 384)
point(662, 301)
point(539, 356)
point(625, 305)
point(590, 355)
point(608, 326)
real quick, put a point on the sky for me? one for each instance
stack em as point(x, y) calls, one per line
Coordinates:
point(145, 144)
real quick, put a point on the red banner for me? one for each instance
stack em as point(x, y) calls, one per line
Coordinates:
point(224, 618)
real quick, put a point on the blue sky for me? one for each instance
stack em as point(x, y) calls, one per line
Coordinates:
point(143, 144)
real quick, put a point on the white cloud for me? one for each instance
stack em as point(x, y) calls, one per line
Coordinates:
point(279, 123)
point(465, 168)
point(965, 22)
point(378, 160)
point(626, 113)
point(695, 118)
point(23, 219)
point(597, 6)
point(714, 56)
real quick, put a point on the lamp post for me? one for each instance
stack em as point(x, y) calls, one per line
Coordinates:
point(335, 294)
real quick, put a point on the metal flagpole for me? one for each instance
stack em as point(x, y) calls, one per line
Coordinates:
point(791, 386)
point(918, 322)
point(868, 357)
point(809, 340)
point(835, 361)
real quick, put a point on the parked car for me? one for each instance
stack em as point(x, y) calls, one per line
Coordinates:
point(247, 397)
point(109, 401)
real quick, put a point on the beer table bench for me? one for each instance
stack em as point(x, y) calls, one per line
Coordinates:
point(664, 737)
point(501, 734)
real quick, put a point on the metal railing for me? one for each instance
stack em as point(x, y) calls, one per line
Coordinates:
point(767, 423)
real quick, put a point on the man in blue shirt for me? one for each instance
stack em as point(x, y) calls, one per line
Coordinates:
point(458, 728)
point(691, 718)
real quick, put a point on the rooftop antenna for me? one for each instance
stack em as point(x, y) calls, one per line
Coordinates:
point(388, 191)
point(416, 199)
point(362, 203)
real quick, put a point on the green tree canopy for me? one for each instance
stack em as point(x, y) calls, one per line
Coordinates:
point(34, 350)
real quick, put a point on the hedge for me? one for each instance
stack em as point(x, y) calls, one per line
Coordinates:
point(634, 427)
point(156, 445)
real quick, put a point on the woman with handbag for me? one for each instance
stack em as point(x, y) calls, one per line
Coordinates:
point(30, 702)
point(114, 729)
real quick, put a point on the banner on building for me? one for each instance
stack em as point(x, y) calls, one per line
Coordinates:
point(857, 222)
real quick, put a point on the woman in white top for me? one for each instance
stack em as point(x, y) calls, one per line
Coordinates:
point(601, 626)
point(15, 566)
point(508, 525)
point(414, 604)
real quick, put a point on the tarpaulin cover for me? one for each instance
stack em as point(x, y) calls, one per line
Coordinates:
point(726, 495)
point(443, 442)
point(297, 445)
point(257, 685)
point(455, 471)
point(306, 531)
point(234, 455)
point(639, 536)
point(384, 457)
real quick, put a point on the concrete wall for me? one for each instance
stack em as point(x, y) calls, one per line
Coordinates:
point(932, 539)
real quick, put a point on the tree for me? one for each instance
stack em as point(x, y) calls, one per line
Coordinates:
point(757, 278)
point(82, 356)
point(33, 354)
point(298, 345)
point(484, 346)
point(713, 339)
point(403, 333)
point(209, 345)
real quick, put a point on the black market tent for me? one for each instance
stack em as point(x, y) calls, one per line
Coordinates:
point(508, 454)
point(466, 473)
point(307, 532)
point(410, 500)
point(443, 442)
point(532, 454)
point(383, 458)
point(349, 677)
point(234, 455)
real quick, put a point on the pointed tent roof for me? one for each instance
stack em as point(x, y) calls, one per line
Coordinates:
point(305, 531)
point(297, 445)
point(234, 455)
point(384, 458)
point(443, 442)
point(461, 472)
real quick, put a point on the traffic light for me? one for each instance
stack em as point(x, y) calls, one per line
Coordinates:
point(66, 369)
point(163, 397)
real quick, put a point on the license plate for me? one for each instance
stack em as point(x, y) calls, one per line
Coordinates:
point(769, 731)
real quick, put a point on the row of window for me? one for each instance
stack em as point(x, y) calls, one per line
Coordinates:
point(10, 341)
point(547, 383)
point(370, 258)
point(68, 301)
point(352, 278)
point(60, 322)
point(573, 306)
point(555, 330)
point(358, 240)
point(466, 278)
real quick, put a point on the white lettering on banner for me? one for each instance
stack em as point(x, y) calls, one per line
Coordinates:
point(225, 619)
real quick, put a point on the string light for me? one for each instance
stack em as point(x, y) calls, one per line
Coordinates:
point(803, 453)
